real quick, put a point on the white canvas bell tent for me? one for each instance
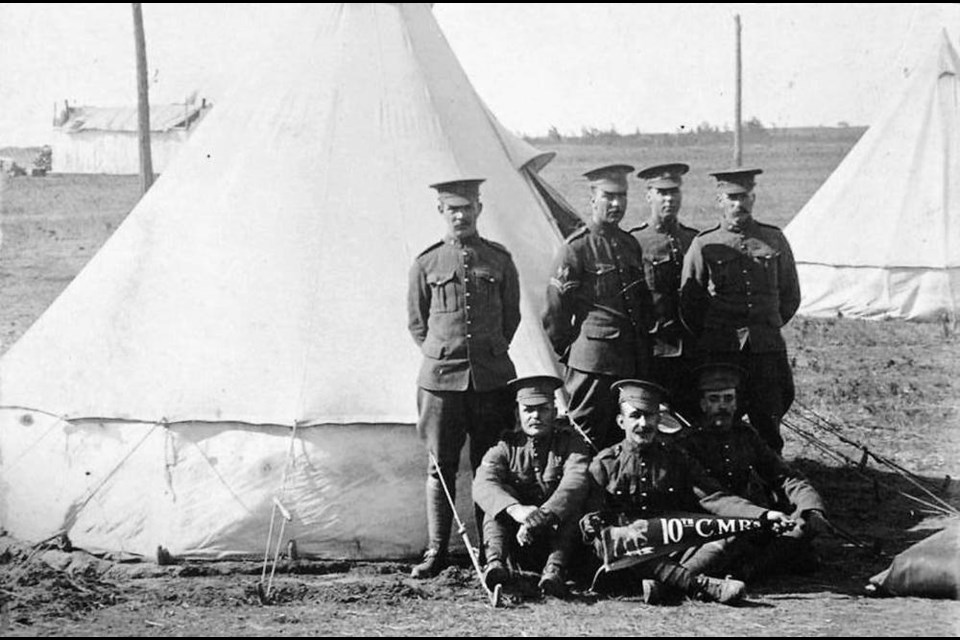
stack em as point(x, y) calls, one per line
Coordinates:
point(253, 305)
point(881, 238)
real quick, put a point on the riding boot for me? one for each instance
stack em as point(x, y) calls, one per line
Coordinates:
point(439, 521)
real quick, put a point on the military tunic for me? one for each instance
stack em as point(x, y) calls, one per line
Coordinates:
point(550, 473)
point(598, 319)
point(739, 286)
point(664, 245)
point(464, 308)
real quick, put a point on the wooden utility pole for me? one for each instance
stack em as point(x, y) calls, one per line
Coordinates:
point(738, 97)
point(143, 102)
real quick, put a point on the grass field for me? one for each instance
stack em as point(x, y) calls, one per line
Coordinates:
point(794, 168)
point(894, 386)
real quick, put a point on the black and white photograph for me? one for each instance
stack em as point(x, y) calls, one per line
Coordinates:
point(495, 319)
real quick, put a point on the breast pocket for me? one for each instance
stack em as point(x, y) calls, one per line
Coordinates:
point(525, 483)
point(666, 275)
point(444, 292)
point(722, 272)
point(606, 284)
point(770, 265)
point(488, 284)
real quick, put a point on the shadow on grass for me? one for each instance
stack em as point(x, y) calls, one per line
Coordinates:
point(875, 521)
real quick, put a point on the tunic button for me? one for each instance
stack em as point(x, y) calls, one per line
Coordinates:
point(467, 294)
point(469, 336)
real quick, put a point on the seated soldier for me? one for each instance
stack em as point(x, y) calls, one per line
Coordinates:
point(734, 454)
point(531, 486)
point(647, 476)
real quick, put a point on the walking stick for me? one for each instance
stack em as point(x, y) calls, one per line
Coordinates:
point(494, 596)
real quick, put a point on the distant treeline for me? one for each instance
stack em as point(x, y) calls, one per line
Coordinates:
point(702, 135)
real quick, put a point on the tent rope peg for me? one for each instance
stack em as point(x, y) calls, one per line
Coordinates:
point(265, 586)
point(864, 458)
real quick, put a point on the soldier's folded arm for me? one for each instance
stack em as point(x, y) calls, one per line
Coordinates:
point(491, 487)
point(596, 483)
point(418, 303)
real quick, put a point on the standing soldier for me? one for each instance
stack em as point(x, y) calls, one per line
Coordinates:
point(739, 286)
point(598, 307)
point(664, 241)
point(464, 308)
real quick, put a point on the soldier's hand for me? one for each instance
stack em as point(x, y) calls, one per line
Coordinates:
point(590, 526)
point(539, 521)
point(524, 536)
point(520, 512)
point(778, 521)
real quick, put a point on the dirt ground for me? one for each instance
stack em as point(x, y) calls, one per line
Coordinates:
point(893, 387)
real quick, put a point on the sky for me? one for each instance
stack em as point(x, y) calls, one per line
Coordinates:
point(646, 67)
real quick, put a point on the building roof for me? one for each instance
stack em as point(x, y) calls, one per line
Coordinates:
point(163, 117)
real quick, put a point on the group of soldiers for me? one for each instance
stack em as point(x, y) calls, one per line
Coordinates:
point(659, 327)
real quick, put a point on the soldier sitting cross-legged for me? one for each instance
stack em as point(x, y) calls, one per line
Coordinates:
point(531, 486)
